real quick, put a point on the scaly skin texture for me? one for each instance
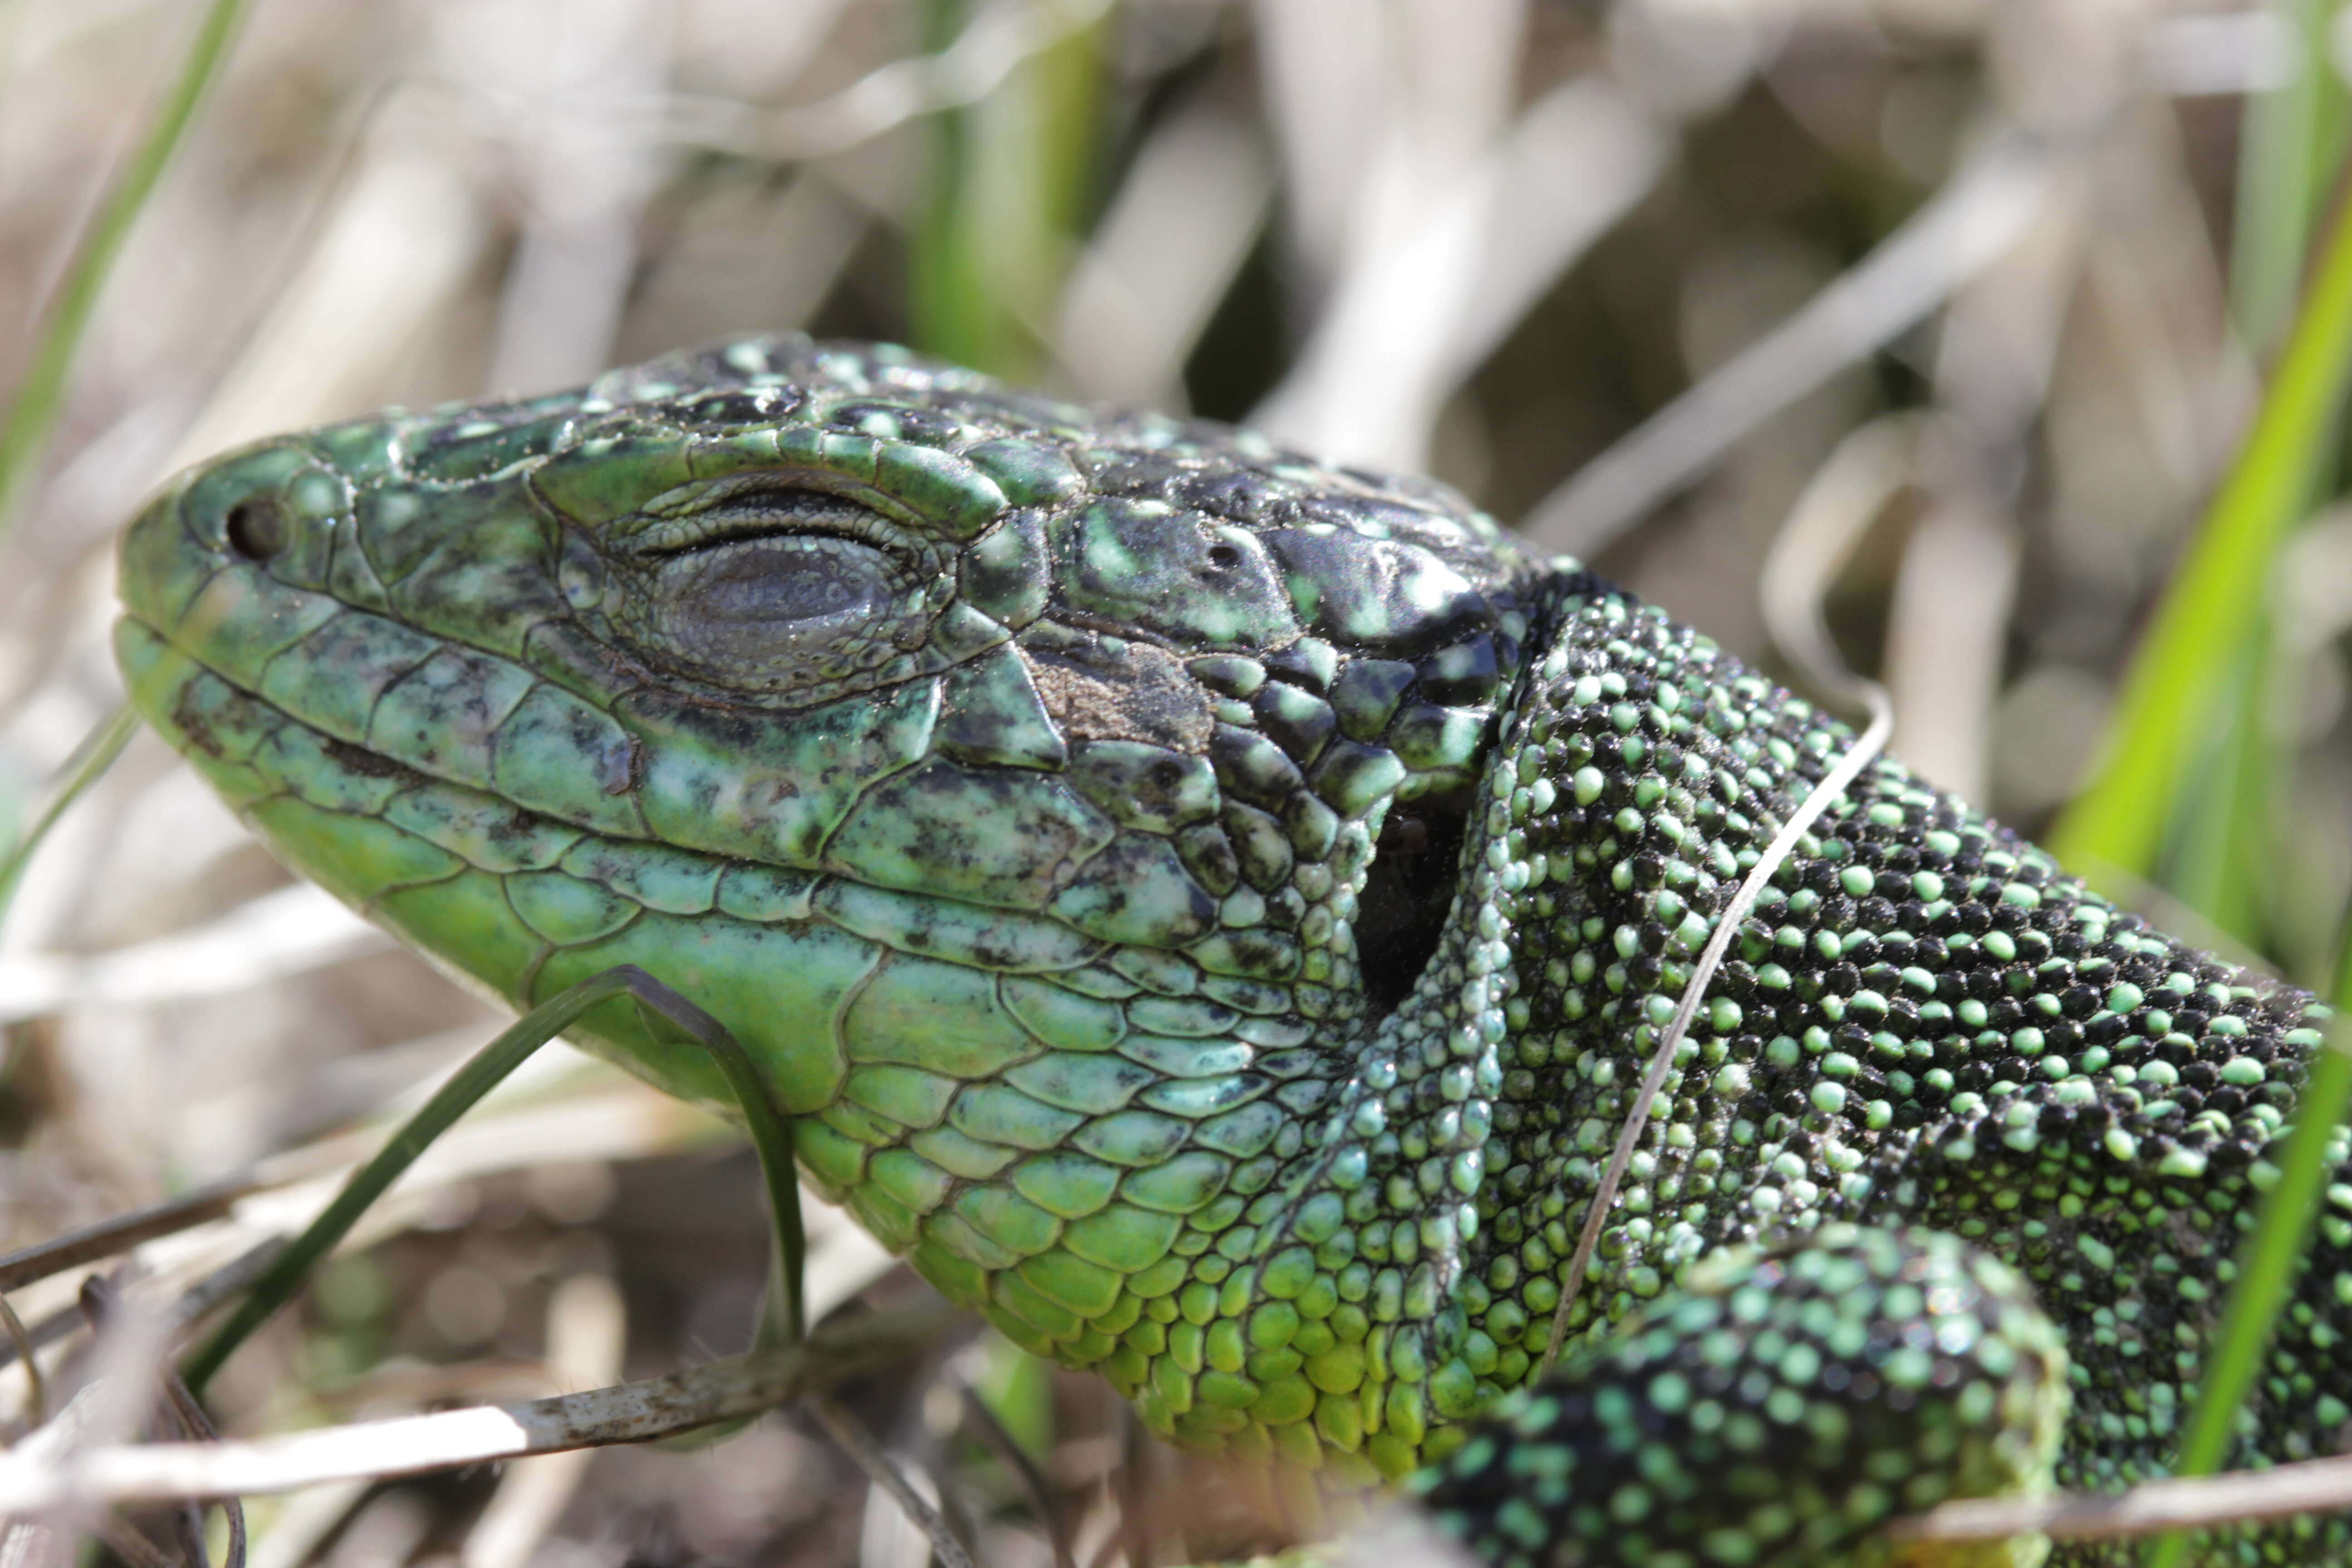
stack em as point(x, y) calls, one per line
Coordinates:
point(1210, 911)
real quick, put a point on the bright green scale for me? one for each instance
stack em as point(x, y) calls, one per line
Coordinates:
point(1210, 911)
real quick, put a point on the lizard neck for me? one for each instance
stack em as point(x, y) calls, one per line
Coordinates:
point(1443, 1270)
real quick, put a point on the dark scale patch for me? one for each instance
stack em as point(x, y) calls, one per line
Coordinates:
point(190, 719)
point(1243, 496)
point(371, 764)
point(762, 405)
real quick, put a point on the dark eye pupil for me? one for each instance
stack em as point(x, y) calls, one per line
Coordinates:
point(257, 529)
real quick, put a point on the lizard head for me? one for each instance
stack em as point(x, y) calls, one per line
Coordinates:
point(1041, 796)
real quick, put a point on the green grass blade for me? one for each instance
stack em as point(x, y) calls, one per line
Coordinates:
point(1017, 1387)
point(24, 433)
point(2225, 856)
point(84, 768)
point(1066, 83)
point(665, 1011)
point(2267, 1264)
point(2213, 610)
point(1008, 183)
point(946, 296)
point(2291, 139)
point(2225, 824)
point(769, 1136)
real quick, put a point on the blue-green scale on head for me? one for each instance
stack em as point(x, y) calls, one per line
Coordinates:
point(1211, 911)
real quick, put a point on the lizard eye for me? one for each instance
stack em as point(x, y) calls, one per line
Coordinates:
point(745, 602)
point(773, 591)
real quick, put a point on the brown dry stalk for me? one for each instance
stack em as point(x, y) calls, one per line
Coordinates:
point(2204, 1502)
point(628, 1413)
point(121, 1234)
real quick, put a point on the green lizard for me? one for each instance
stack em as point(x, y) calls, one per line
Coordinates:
point(1210, 911)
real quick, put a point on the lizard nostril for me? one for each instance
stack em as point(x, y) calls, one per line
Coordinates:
point(256, 528)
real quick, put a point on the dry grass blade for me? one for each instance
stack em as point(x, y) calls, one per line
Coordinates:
point(273, 1202)
point(587, 1329)
point(126, 1543)
point(195, 1424)
point(99, 1304)
point(110, 1237)
point(966, 71)
point(1866, 470)
point(31, 1542)
point(1849, 767)
point(279, 934)
point(982, 1420)
point(117, 1397)
point(1415, 312)
point(2242, 1497)
point(1859, 477)
point(884, 1472)
point(1418, 130)
point(637, 1412)
point(231, 1279)
point(1973, 220)
point(1164, 254)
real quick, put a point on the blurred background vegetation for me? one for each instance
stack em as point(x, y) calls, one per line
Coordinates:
point(1972, 300)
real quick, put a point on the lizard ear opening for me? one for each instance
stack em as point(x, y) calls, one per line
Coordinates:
point(1408, 893)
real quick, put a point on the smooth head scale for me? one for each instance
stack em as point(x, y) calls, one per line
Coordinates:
point(1053, 805)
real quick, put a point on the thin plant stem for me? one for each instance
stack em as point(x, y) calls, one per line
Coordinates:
point(769, 1136)
point(641, 1412)
point(121, 1234)
point(992, 1432)
point(1849, 766)
point(855, 1441)
point(84, 768)
point(99, 1301)
point(123, 1538)
point(25, 432)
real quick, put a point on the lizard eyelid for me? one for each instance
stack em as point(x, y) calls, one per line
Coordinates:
point(768, 607)
point(783, 511)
